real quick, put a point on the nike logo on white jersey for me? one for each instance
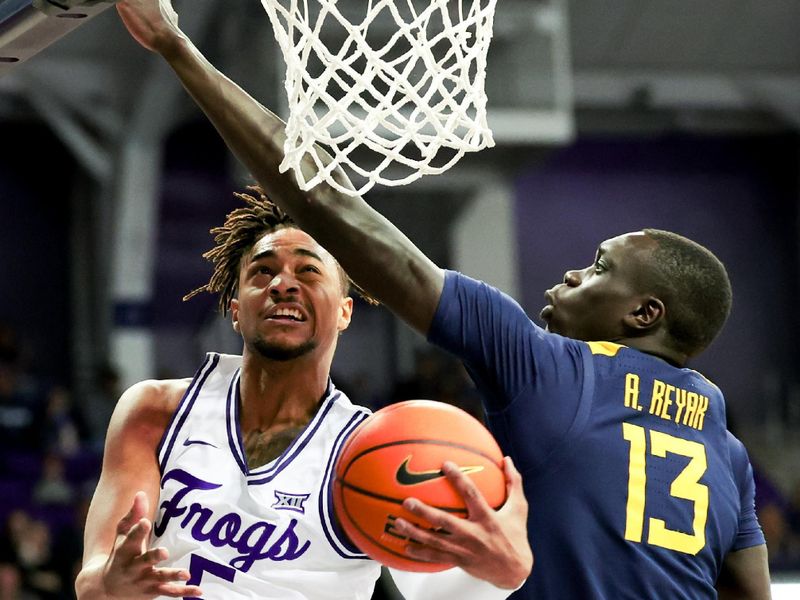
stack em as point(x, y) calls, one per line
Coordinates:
point(189, 442)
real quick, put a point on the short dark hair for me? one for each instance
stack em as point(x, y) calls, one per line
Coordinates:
point(694, 285)
point(243, 227)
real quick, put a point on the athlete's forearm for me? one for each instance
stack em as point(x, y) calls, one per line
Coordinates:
point(253, 133)
point(373, 252)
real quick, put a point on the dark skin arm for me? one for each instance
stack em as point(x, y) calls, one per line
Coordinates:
point(373, 251)
point(745, 575)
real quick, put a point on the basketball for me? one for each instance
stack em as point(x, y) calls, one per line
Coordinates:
point(398, 452)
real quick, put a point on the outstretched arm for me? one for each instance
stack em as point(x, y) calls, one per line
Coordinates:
point(117, 561)
point(372, 250)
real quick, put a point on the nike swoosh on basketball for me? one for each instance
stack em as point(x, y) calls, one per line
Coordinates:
point(406, 477)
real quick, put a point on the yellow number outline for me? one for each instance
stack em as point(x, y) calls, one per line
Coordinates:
point(686, 486)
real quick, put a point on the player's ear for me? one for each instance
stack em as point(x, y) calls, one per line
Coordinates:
point(234, 308)
point(345, 313)
point(646, 315)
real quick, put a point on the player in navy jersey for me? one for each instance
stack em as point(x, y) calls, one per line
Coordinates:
point(636, 488)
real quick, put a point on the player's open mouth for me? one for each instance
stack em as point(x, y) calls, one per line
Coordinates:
point(286, 314)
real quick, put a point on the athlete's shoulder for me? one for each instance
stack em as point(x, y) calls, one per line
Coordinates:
point(703, 378)
point(146, 407)
point(342, 403)
point(228, 360)
point(156, 395)
point(610, 349)
point(457, 283)
point(737, 449)
point(478, 308)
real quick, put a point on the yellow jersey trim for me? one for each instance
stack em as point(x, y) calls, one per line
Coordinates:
point(604, 348)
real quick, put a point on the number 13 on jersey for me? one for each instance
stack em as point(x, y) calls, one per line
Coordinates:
point(686, 486)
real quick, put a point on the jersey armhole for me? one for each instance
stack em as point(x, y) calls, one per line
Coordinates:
point(330, 527)
point(167, 442)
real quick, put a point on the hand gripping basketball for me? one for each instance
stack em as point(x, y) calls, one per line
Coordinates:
point(416, 488)
point(490, 545)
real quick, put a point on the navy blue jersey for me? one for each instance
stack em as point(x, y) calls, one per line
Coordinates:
point(636, 488)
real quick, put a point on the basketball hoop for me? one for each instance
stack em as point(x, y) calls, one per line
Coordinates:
point(393, 90)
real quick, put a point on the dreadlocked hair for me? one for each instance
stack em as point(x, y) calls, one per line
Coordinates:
point(243, 227)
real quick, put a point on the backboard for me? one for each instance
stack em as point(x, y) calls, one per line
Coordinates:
point(29, 26)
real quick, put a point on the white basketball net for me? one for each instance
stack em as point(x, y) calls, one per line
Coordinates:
point(393, 89)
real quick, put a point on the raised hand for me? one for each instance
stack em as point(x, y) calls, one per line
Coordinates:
point(152, 23)
point(488, 544)
point(131, 572)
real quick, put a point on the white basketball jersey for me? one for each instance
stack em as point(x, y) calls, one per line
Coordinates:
point(263, 533)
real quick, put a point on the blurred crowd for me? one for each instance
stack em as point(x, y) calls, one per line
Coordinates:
point(51, 451)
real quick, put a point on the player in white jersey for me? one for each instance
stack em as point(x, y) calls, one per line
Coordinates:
point(268, 531)
point(229, 472)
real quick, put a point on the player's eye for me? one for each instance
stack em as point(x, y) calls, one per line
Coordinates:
point(310, 269)
point(264, 270)
point(599, 266)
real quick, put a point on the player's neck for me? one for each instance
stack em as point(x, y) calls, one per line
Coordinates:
point(262, 447)
point(648, 345)
point(280, 393)
point(275, 407)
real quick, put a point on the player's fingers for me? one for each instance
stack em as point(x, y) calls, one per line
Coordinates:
point(134, 543)
point(175, 590)
point(415, 533)
point(515, 493)
point(513, 477)
point(167, 575)
point(138, 510)
point(430, 545)
point(432, 555)
point(438, 519)
point(153, 556)
point(141, 504)
point(476, 504)
point(170, 582)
